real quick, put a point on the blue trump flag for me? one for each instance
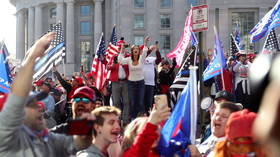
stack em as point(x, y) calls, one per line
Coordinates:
point(269, 21)
point(5, 77)
point(218, 62)
point(179, 130)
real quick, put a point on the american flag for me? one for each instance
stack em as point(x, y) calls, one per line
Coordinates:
point(234, 48)
point(54, 54)
point(99, 64)
point(271, 43)
point(182, 77)
point(112, 49)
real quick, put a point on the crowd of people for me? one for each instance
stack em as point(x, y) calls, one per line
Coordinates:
point(63, 117)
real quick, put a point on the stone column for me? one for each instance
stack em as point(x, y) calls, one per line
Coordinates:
point(97, 21)
point(31, 16)
point(20, 35)
point(38, 22)
point(60, 12)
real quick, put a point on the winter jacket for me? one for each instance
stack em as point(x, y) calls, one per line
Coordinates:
point(114, 67)
point(143, 142)
point(17, 140)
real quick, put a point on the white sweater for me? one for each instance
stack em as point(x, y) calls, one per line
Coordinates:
point(135, 71)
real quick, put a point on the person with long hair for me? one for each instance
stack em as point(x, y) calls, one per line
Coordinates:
point(136, 84)
point(142, 134)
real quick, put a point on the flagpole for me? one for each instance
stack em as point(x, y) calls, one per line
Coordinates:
point(63, 65)
point(220, 58)
point(193, 105)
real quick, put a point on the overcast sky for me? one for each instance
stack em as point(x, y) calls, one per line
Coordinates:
point(8, 25)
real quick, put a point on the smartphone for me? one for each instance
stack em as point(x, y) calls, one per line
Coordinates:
point(80, 127)
point(161, 100)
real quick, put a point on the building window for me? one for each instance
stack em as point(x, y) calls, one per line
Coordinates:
point(138, 40)
point(52, 12)
point(85, 28)
point(139, 3)
point(164, 21)
point(138, 21)
point(165, 43)
point(85, 55)
point(165, 3)
point(245, 21)
point(85, 10)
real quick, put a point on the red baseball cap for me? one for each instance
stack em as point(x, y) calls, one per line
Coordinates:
point(240, 124)
point(79, 80)
point(85, 91)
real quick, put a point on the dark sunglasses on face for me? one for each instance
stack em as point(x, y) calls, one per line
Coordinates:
point(84, 100)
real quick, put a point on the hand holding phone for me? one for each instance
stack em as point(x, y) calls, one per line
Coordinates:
point(160, 111)
point(160, 101)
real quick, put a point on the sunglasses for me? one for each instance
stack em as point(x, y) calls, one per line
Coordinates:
point(84, 100)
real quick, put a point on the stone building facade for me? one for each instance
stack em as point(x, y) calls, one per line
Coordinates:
point(163, 20)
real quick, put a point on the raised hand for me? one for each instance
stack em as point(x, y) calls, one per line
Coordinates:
point(159, 114)
point(41, 45)
point(147, 38)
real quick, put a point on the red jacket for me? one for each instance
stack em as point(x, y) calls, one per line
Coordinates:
point(114, 76)
point(142, 146)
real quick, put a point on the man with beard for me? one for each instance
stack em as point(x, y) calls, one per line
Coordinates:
point(22, 128)
point(83, 101)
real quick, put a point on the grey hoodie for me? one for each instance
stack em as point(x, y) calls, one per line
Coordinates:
point(91, 151)
point(17, 140)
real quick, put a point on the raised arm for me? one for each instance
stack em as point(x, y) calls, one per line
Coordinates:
point(121, 58)
point(12, 115)
point(145, 50)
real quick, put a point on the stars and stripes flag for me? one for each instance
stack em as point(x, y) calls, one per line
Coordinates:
point(99, 64)
point(269, 21)
point(271, 43)
point(234, 48)
point(113, 49)
point(5, 75)
point(182, 77)
point(54, 55)
point(180, 128)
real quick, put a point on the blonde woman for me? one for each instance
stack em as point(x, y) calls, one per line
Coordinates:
point(142, 134)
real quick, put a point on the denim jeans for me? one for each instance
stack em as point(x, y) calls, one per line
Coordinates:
point(136, 91)
point(149, 97)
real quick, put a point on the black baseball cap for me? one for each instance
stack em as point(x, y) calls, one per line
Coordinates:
point(224, 95)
